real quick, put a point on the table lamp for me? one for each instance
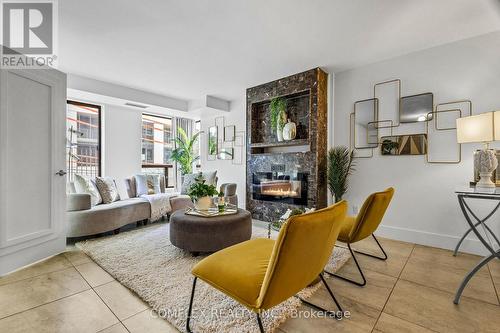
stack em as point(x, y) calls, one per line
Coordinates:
point(481, 128)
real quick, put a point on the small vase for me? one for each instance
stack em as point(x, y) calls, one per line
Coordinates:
point(279, 133)
point(289, 131)
point(203, 203)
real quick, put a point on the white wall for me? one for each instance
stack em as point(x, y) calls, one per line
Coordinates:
point(424, 209)
point(226, 170)
point(121, 144)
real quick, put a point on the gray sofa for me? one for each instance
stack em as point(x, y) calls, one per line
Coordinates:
point(85, 219)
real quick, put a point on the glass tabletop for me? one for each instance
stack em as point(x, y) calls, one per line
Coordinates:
point(495, 191)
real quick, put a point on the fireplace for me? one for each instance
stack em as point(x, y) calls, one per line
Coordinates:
point(281, 187)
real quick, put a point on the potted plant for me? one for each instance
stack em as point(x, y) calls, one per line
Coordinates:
point(278, 116)
point(184, 154)
point(340, 167)
point(201, 193)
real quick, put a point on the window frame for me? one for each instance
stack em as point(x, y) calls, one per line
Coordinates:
point(158, 166)
point(99, 135)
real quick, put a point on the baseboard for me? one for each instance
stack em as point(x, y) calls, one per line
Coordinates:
point(469, 245)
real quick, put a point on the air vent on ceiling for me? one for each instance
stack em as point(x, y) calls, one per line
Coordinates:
point(136, 105)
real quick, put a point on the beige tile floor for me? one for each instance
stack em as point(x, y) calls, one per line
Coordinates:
point(410, 292)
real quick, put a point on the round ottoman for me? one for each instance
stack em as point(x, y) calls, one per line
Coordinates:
point(209, 234)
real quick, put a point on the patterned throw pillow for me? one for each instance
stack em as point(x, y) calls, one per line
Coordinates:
point(86, 185)
point(107, 188)
point(147, 184)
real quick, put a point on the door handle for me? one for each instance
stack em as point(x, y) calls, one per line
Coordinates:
point(61, 173)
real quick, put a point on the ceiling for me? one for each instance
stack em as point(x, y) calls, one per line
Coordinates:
point(187, 49)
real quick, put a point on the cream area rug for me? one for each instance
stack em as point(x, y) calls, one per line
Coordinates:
point(146, 262)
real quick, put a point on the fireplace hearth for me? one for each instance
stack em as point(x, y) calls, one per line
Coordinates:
point(288, 188)
point(284, 175)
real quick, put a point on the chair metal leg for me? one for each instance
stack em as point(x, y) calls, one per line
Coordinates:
point(329, 313)
point(191, 306)
point(259, 321)
point(372, 255)
point(361, 284)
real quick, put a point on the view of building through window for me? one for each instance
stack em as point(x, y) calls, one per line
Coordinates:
point(157, 146)
point(83, 139)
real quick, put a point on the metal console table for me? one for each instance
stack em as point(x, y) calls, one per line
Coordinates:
point(484, 194)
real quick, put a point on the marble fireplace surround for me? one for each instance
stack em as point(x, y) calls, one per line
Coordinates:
point(307, 92)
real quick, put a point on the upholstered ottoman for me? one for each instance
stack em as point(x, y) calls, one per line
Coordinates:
point(209, 234)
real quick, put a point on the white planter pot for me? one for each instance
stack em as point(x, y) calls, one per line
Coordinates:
point(203, 203)
point(289, 131)
point(279, 133)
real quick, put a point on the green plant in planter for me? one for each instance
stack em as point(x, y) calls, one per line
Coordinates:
point(278, 114)
point(199, 189)
point(184, 154)
point(340, 167)
point(276, 225)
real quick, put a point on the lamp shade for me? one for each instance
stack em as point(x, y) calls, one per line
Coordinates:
point(478, 128)
point(496, 123)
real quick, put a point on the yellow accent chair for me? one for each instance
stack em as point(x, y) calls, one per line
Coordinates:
point(357, 228)
point(262, 273)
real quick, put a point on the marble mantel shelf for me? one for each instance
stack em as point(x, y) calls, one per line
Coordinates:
point(299, 142)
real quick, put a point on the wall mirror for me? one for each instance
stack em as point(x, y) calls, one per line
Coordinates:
point(365, 113)
point(413, 144)
point(229, 133)
point(416, 108)
point(212, 141)
point(225, 154)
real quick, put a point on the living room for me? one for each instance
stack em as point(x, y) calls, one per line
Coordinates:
point(232, 166)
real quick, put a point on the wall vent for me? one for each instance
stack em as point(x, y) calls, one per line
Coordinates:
point(136, 105)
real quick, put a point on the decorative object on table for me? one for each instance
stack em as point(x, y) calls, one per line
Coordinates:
point(211, 212)
point(289, 131)
point(221, 202)
point(340, 166)
point(212, 141)
point(202, 193)
point(481, 128)
point(416, 108)
point(229, 133)
point(278, 116)
point(495, 176)
point(414, 144)
point(184, 153)
point(276, 225)
point(225, 154)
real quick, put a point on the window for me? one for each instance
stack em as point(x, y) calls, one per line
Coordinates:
point(83, 124)
point(157, 146)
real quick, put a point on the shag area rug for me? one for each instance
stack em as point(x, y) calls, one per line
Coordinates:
point(146, 262)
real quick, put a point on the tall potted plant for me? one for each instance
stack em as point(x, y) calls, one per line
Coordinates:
point(340, 167)
point(184, 154)
point(278, 116)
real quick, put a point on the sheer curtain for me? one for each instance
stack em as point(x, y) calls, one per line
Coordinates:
point(187, 125)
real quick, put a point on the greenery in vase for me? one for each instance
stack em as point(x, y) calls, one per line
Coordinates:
point(199, 189)
point(340, 167)
point(276, 225)
point(184, 154)
point(278, 115)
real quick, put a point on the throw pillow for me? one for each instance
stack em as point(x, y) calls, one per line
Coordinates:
point(86, 185)
point(107, 188)
point(210, 179)
point(147, 184)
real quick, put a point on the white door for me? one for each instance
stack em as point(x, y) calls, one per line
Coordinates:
point(32, 151)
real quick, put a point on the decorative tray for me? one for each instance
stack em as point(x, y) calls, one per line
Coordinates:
point(211, 212)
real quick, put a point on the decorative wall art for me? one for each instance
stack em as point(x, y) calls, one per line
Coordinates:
point(229, 132)
point(225, 143)
point(385, 121)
